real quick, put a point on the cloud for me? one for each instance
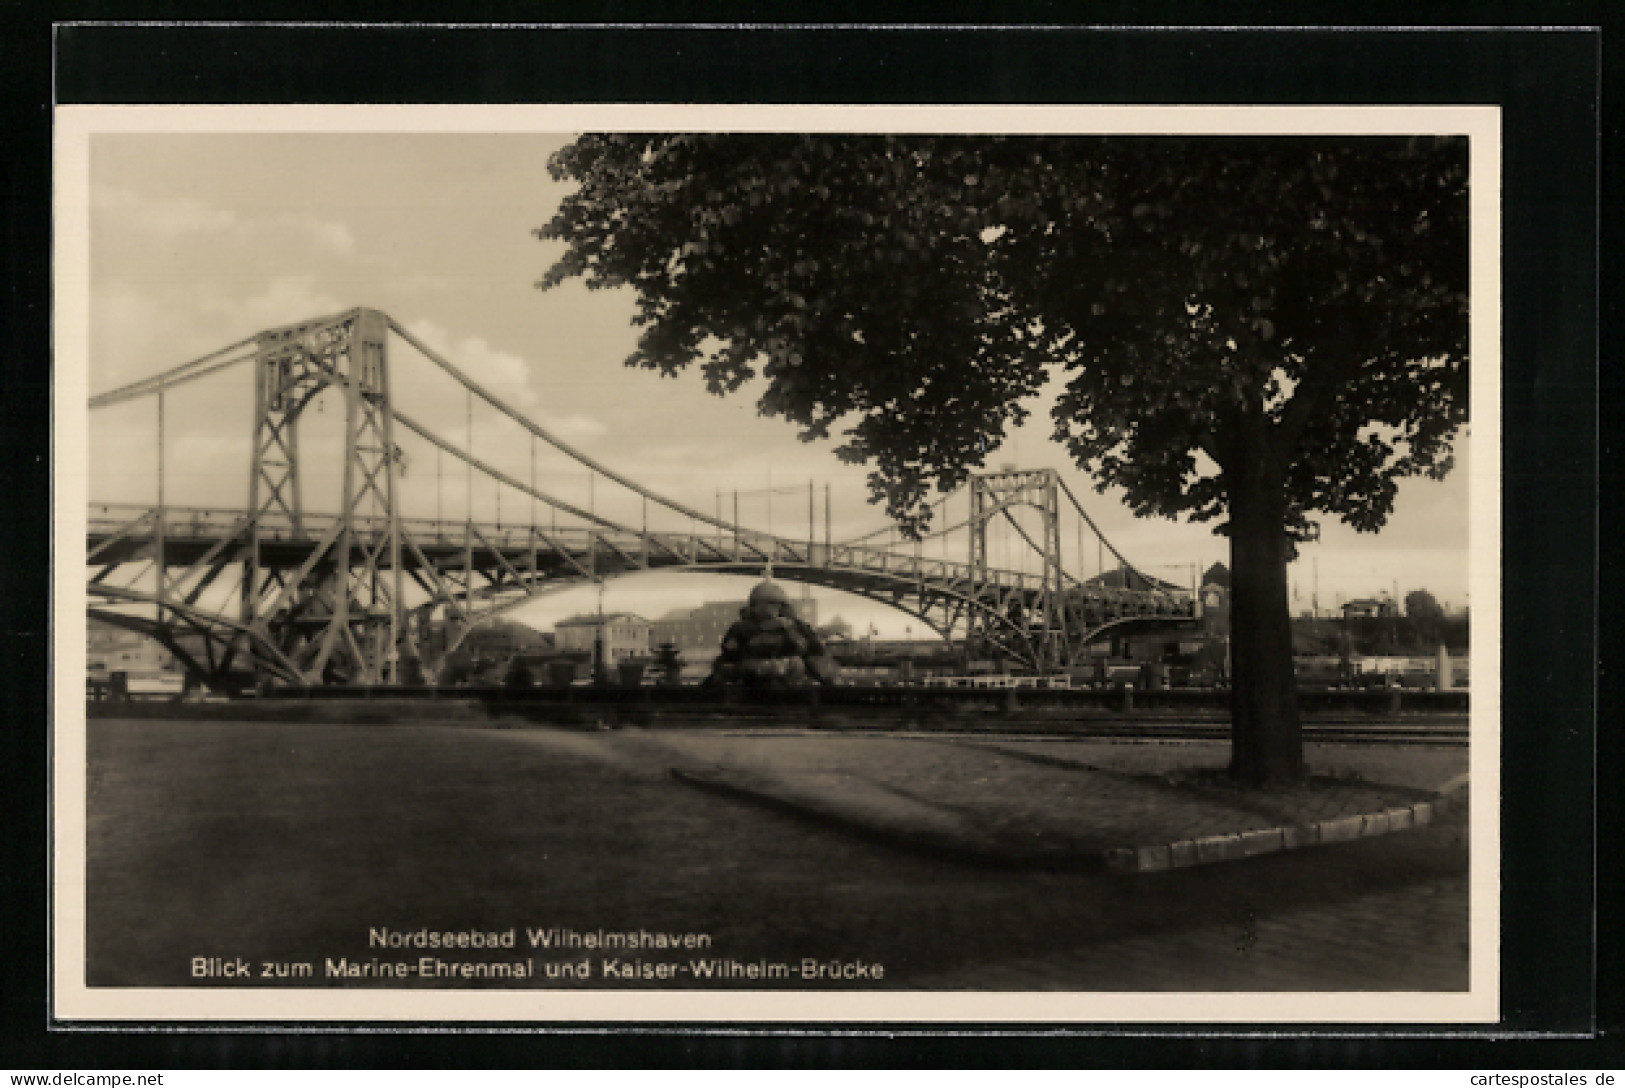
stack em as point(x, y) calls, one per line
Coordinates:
point(177, 217)
point(434, 399)
point(143, 327)
point(282, 301)
point(327, 235)
point(503, 372)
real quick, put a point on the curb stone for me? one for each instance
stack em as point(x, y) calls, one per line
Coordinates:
point(1212, 848)
point(965, 844)
point(1261, 842)
point(1342, 829)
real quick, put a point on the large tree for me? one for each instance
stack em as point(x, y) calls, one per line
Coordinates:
point(1424, 619)
point(1252, 330)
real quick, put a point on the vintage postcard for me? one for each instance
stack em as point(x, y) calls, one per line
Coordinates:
point(863, 651)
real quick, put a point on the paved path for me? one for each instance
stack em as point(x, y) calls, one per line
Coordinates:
point(1412, 938)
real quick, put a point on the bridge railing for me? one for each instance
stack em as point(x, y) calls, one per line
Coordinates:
point(744, 545)
point(653, 548)
point(929, 568)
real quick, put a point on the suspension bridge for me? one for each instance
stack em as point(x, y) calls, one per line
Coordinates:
point(372, 590)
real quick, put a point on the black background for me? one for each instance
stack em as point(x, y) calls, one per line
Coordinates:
point(1549, 83)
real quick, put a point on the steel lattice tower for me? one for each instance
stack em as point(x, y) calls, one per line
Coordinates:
point(1039, 617)
point(341, 614)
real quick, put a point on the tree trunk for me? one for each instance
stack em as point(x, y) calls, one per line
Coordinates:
point(1266, 740)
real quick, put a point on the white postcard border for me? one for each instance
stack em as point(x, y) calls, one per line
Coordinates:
point(72, 1000)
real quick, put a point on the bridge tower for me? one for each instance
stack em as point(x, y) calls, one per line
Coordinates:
point(1039, 618)
point(341, 615)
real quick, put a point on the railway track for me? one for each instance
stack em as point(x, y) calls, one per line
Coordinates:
point(1319, 732)
point(985, 718)
point(1444, 732)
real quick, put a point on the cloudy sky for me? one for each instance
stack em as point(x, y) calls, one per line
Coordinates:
point(198, 240)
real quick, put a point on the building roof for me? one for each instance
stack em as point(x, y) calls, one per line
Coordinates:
point(593, 619)
point(708, 610)
point(1119, 578)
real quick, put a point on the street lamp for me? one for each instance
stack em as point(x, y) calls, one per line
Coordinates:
point(598, 668)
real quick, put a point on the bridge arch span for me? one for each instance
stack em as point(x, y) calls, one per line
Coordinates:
point(940, 607)
point(343, 595)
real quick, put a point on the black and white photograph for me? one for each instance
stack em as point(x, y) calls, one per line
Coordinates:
point(622, 563)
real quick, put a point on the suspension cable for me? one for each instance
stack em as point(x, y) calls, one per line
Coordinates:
point(186, 372)
point(1099, 536)
point(519, 485)
point(546, 436)
point(214, 361)
point(889, 527)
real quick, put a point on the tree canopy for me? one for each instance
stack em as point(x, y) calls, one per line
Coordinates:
point(1424, 616)
point(1253, 329)
point(1422, 605)
point(1195, 289)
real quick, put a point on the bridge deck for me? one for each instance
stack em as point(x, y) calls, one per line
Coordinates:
point(115, 535)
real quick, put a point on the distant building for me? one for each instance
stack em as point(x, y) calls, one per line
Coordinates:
point(696, 629)
point(836, 628)
point(1368, 608)
point(700, 630)
point(624, 635)
point(110, 649)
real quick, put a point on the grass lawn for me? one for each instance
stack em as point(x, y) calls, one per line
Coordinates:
point(289, 842)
